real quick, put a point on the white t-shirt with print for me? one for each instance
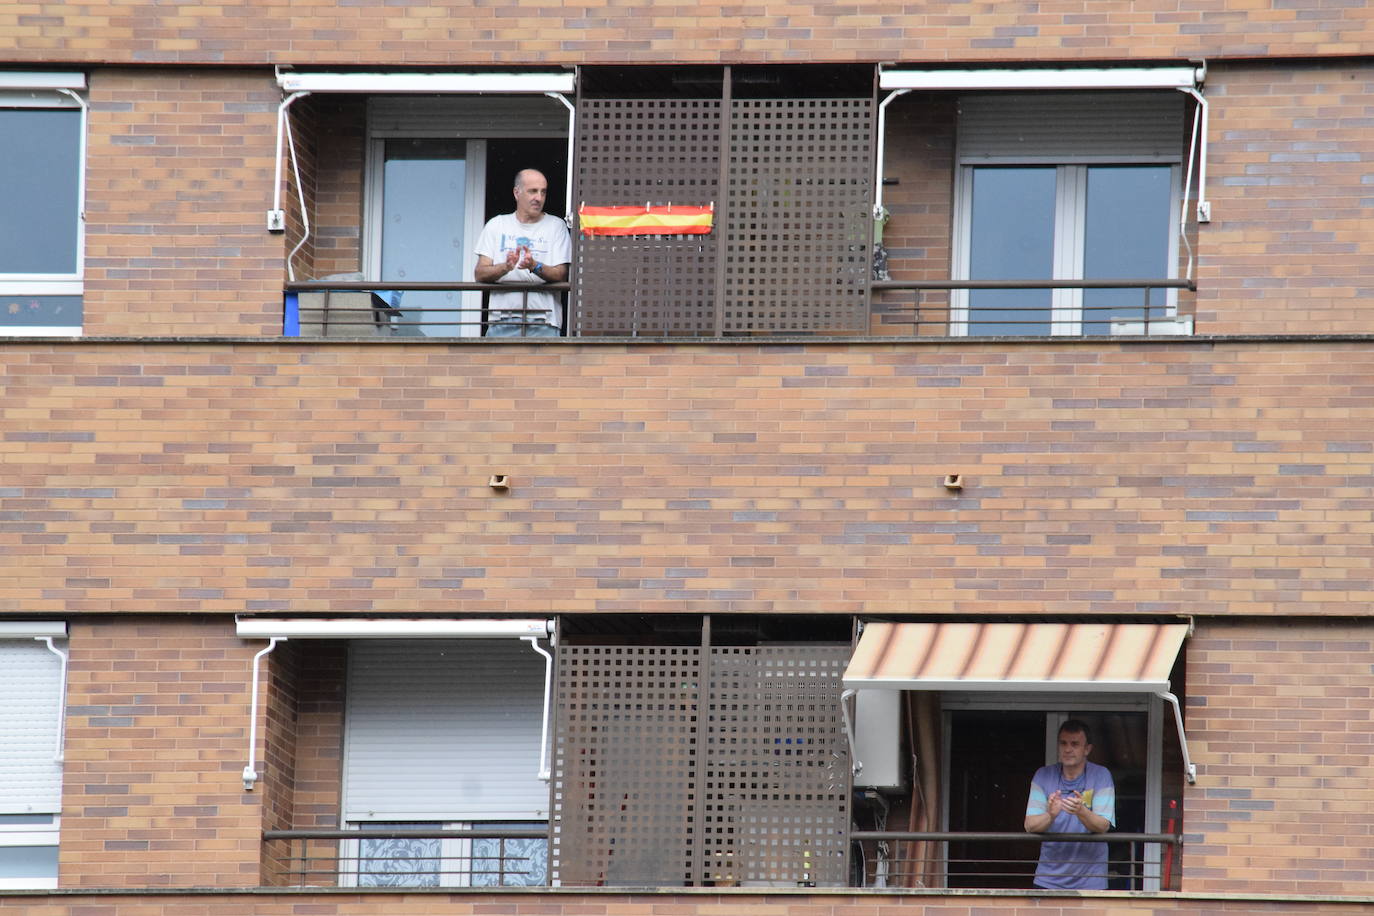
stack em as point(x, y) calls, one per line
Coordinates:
point(548, 243)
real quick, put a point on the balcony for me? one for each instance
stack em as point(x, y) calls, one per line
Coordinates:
point(513, 857)
point(903, 309)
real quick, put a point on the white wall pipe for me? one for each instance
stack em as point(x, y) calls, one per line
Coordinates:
point(572, 139)
point(282, 114)
point(1189, 768)
point(1204, 206)
point(250, 775)
point(300, 196)
point(882, 143)
point(59, 751)
point(545, 767)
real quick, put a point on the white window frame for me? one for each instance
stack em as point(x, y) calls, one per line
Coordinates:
point(1071, 182)
point(474, 194)
point(36, 834)
point(1056, 708)
point(50, 91)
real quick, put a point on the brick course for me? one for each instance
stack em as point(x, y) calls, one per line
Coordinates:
point(463, 33)
point(1187, 477)
point(1282, 713)
point(713, 903)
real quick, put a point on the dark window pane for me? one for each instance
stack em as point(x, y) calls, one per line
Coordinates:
point(1126, 236)
point(28, 861)
point(1011, 238)
point(39, 184)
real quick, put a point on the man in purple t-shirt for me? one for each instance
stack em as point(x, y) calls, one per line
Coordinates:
point(1072, 796)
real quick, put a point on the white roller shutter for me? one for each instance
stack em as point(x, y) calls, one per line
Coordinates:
point(1072, 127)
point(467, 116)
point(30, 688)
point(443, 730)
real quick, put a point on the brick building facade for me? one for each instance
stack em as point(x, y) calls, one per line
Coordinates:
point(740, 489)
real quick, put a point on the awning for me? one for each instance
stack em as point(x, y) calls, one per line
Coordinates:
point(1074, 657)
point(18, 79)
point(561, 81)
point(1028, 78)
point(280, 629)
point(1044, 657)
point(389, 628)
point(557, 84)
point(1188, 79)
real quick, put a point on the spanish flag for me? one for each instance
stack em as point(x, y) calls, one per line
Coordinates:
point(665, 220)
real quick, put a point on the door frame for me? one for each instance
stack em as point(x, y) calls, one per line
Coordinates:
point(474, 196)
point(1056, 707)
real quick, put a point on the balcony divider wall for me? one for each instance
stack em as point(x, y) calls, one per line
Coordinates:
point(790, 180)
point(700, 766)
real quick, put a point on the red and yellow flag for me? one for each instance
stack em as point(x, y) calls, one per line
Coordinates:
point(665, 220)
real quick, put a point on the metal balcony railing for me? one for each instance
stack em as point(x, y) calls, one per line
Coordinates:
point(518, 857)
point(396, 857)
point(326, 308)
point(943, 308)
point(1032, 308)
point(1135, 861)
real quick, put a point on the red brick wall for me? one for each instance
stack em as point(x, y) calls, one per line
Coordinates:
point(179, 181)
point(1290, 248)
point(1281, 718)
point(1162, 478)
point(157, 736)
point(339, 152)
point(459, 33)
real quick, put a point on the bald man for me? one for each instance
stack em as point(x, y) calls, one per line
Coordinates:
point(527, 246)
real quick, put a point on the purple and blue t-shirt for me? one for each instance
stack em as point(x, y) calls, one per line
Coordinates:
point(1073, 866)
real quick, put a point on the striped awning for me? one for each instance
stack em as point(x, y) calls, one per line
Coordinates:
point(1078, 657)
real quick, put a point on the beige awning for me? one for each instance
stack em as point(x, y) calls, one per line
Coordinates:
point(1077, 657)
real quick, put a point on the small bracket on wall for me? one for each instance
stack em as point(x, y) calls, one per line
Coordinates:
point(499, 482)
point(954, 481)
point(276, 220)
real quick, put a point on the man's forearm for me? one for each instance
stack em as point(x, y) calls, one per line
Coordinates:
point(1093, 821)
point(1038, 823)
point(489, 273)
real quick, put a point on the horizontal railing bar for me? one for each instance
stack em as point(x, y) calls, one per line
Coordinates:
point(1034, 284)
point(496, 833)
point(364, 286)
point(1169, 838)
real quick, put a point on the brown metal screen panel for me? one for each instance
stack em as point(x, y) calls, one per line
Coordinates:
point(624, 769)
point(775, 785)
point(654, 151)
point(799, 216)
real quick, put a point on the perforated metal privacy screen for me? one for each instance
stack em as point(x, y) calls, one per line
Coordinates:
point(639, 151)
point(799, 220)
point(675, 766)
point(790, 251)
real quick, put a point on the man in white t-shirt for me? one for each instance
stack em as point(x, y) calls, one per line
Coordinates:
point(527, 246)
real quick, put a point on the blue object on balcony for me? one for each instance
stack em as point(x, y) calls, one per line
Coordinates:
point(291, 317)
